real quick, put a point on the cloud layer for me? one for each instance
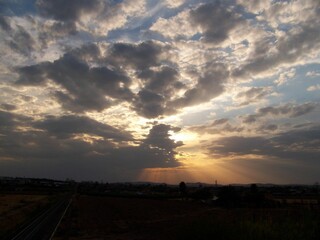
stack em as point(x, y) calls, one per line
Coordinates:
point(108, 89)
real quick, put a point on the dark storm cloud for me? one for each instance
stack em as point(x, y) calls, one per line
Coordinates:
point(4, 24)
point(159, 87)
point(209, 85)
point(9, 121)
point(155, 151)
point(70, 10)
point(157, 96)
point(57, 30)
point(216, 21)
point(21, 41)
point(65, 126)
point(86, 87)
point(289, 110)
point(33, 75)
point(8, 107)
point(164, 81)
point(140, 56)
point(18, 37)
point(149, 104)
point(88, 53)
point(159, 137)
point(75, 16)
point(296, 144)
point(49, 148)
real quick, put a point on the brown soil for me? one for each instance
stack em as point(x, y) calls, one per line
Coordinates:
point(16, 208)
point(126, 218)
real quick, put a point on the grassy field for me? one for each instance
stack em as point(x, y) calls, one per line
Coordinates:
point(122, 218)
point(16, 208)
point(255, 224)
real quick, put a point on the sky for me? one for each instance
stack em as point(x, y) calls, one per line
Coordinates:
point(160, 91)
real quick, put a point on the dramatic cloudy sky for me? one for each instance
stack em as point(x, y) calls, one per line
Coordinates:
point(164, 91)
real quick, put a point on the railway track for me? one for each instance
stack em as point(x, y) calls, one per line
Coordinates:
point(43, 226)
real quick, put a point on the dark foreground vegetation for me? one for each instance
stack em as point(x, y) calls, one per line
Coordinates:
point(186, 211)
point(22, 200)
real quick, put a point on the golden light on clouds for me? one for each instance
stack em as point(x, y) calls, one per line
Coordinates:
point(184, 91)
point(186, 137)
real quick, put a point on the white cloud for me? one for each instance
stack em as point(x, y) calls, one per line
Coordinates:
point(313, 74)
point(175, 27)
point(256, 6)
point(285, 76)
point(314, 88)
point(174, 4)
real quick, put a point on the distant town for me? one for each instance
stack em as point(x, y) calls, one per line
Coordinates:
point(233, 195)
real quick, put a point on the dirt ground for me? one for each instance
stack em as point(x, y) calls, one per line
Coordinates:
point(16, 208)
point(126, 218)
point(92, 217)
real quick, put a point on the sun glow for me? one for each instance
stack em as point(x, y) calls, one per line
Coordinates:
point(183, 136)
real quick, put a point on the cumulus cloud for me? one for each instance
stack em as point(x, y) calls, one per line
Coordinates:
point(268, 128)
point(174, 4)
point(70, 11)
point(176, 27)
point(251, 124)
point(313, 74)
point(4, 24)
point(87, 84)
point(215, 20)
point(177, 62)
point(140, 56)
point(218, 126)
point(210, 84)
point(82, 15)
point(60, 144)
point(287, 49)
point(313, 88)
point(85, 88)
point(68, 125)
point(252, 95)
point(8, 107)
point(10, 121)
point(285, 76)
point(287, 110)
point(21, 41)
point(159, 87)
point(256, 6)
point(295, 144)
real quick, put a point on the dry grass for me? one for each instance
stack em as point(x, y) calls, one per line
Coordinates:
point(124, 218)
point(92, 217)
point(16, 208)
